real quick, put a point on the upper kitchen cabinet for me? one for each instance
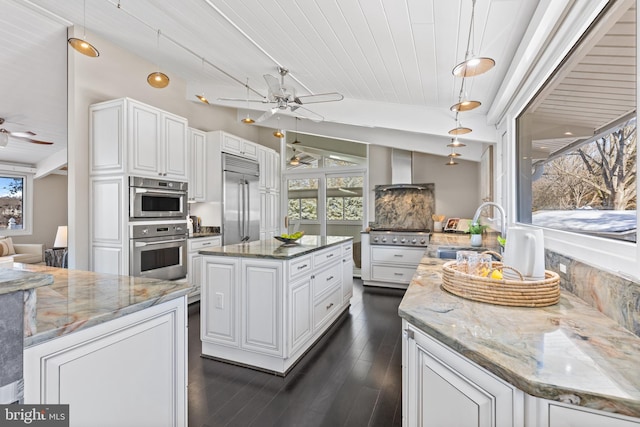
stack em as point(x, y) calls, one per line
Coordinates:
point(198, 165)
point(235, 145)
point(130, 137)
point(269, 170)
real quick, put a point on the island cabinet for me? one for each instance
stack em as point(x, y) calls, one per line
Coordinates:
point(267, 313)
point(129, 137)
point(194, 263)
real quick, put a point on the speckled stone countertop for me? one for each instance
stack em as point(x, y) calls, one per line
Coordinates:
point(14, 280)
point(568, 352)
point(80, 299)
point(274, 249)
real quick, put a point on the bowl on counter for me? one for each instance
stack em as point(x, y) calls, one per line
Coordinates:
point(288, 241)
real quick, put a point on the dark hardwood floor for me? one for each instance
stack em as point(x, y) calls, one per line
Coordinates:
point(352, 377)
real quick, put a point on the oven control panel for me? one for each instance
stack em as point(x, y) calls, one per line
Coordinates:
point(396, 238)
point(157, 230)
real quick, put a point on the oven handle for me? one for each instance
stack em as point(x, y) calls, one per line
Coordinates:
point(150, 190)
point(159, 242)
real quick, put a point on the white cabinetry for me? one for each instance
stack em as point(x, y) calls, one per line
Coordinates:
point(268, 312)
point(198, 165)
point(108, 218)
point(269, 192)
point(235, 145)
point(390, 266)
point(441, 388)
point(128, 136)
point(136, 364)
point(194, 266)
point(548, 413)
point(347, 272)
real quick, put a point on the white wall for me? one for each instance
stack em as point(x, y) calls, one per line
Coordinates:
point(49, 209)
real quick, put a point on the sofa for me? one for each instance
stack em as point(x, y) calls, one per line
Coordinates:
point(29, 253)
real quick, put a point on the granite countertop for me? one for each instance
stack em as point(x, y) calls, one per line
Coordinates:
point(274, 249)
point(15, 280)
point(80, 299)
point(567, 352)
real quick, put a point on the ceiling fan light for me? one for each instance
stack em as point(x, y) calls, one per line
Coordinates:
point(295, 161)
point(83, 46)
point(158, 80)
point(202, 99)
point(465, 106)
point(460, 130)
point(473, 67)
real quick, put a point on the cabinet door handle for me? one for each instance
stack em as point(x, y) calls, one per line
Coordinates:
point(329, 256)
point(329, 306)
point(408, 333)
point(398, 255)
point(398, 274)
point(206, 244)
point(300, 267)
point(329, 278)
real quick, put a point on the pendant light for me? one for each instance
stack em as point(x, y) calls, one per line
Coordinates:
point(158, 79)
point(82, 45)
point(203, 98)
point(248, 120)
point(465, 106)
point(278, 132)
point(455, 143)
point(472, 65)
point(451, 162)
point(295, 140)
point(459, 129)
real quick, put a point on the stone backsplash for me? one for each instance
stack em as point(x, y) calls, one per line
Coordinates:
point(616, 297)
point(407, 208)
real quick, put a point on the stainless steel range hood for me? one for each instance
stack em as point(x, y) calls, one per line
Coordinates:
point(401, 171)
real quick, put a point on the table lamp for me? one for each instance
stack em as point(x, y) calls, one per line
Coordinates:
point(61, 237)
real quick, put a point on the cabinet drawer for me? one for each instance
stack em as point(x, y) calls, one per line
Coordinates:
point(389, 273)
point(300, 266)
point(396, 255)
point(326, 278)
point(323, 309)
point(347, 250)
point(322, 257)
point(204, 243)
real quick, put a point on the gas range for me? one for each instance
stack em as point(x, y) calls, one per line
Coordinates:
point(399, 237)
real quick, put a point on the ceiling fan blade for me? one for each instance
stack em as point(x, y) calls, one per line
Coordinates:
point(267, 114)
point(319, 97)
point(34, 141)
point(274, 84)
point(27, 134)
point(262, 101)
point(315, 117)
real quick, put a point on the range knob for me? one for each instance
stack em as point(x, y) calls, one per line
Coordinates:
point(395, 239)
point(414, 241)
point(145, 231)
point(403, 240)
point(384, 239)
point(375, 239)
point(422, 241)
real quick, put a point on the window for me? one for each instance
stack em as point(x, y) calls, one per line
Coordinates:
point(15, 206)
point(344, 198)
point(303, 199)
point(577, 138)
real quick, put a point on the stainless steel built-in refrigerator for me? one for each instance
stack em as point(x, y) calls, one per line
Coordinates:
point(241, 200)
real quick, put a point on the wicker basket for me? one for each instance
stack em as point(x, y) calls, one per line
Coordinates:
point(517, 293)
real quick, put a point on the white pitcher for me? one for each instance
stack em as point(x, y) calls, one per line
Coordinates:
point(524, 251)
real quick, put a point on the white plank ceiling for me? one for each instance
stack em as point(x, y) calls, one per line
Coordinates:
point(390, 58)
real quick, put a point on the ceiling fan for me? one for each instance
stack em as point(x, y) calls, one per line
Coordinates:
point(26, 136)
point(300, 158)
point(284, 98)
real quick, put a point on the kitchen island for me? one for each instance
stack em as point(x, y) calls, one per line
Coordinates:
point(264, 304)
point(112, 347)
point(562, 365)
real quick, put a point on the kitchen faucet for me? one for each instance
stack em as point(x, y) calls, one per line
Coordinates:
point(503, 219)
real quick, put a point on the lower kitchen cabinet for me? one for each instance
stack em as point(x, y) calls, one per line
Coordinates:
point(267, 313)
point(194, 262)
point(440, 387)
point(390, 266)
point(128, 371)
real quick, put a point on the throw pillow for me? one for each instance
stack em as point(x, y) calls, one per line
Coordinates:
point(6, 247)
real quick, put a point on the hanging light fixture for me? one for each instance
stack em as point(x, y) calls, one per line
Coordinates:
point(459, 129)
point(455, 143)
point(158, 79)
point(451, 162)
point(82, 45)
point(464, 104)
point(247, 120)
point(472, 65)
point(278, 132)
point(203, 98)
point(295, 140)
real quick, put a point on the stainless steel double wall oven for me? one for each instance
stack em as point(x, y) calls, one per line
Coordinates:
point(157, 228)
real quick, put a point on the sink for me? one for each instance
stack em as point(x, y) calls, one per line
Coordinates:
point(449, 252)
